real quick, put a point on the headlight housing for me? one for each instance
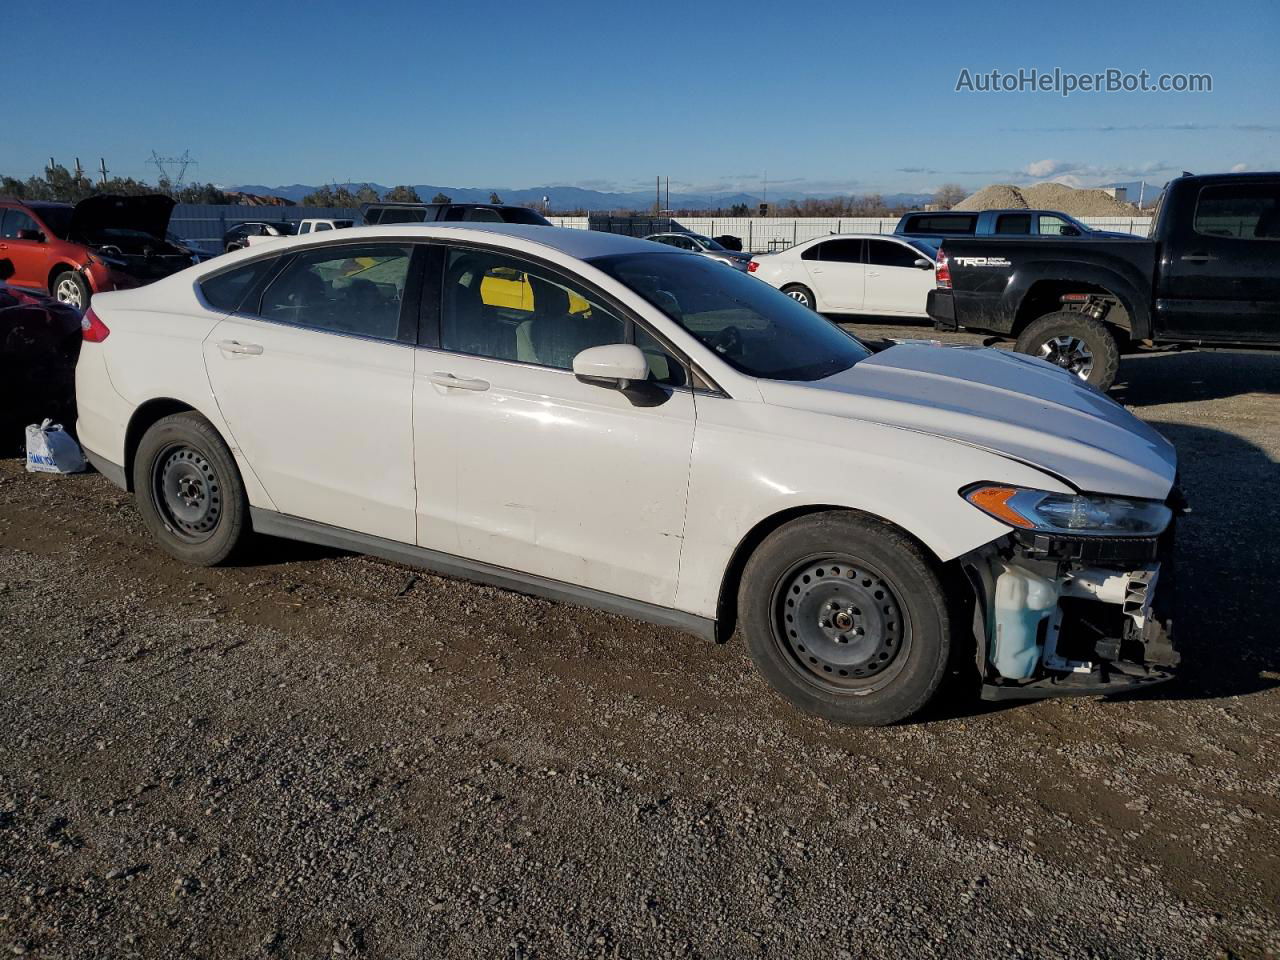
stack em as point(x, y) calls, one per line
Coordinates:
point(1070, 514)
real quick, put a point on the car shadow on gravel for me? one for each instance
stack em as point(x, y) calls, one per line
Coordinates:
point(1193, 376)
point(274, 551)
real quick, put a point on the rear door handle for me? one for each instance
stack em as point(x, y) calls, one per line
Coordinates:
point(1197, 257)
point(235, 346)
point(873, 273)
point(448, 380)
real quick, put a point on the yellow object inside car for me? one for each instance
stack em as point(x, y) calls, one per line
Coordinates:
point(510, 289)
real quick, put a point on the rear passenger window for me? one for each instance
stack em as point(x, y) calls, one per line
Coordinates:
point(841, 251)
point(886, 253)
point(347, 289)
point(226, 290)
point(1243, 211)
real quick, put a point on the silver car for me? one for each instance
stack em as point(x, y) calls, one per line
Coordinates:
point(705, 246)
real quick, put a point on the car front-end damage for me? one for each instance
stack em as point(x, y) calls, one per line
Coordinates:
point(127, 241)
point(1057, 613)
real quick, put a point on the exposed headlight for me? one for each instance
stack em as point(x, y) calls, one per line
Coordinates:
point(1070, 514)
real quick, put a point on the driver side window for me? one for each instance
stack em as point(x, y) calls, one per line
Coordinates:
point(506, 309)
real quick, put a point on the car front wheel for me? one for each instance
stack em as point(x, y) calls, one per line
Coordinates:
point(69, 287)
point(189, 491)
point(847, 618)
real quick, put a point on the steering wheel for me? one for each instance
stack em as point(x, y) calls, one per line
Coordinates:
point(728, 341)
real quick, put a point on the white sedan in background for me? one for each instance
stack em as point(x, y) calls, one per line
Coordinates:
point(853, 273)
point(619, 424)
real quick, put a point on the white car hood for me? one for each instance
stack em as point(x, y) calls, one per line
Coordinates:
point(1013, 405)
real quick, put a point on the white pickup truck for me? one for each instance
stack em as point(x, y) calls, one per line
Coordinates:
point(312, 225)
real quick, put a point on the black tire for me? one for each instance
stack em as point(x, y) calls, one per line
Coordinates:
point(885, 660)
point(801, 294)
point(1077, 343)
point(189, 491)
point(70, 287)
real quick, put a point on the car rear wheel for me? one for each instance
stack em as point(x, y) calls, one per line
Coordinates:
point(801, 294)
point(69, 287)
point(1079, 344)
point(189, 491)
point(847, 618)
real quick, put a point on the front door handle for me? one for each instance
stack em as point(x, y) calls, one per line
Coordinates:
point(244, 349)
point(874, 273)
point(1197, 257)
point(448, 380)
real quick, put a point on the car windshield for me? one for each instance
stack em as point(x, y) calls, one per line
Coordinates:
point(750, 325)
point(523, 215)
point(706, 241)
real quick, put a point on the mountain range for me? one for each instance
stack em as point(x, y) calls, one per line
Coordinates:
point(569, 198)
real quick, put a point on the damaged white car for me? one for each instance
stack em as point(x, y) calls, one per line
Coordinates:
point(608, 422)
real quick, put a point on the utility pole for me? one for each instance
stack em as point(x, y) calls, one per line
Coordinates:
point(657, 196)
point(668, 203)
point(102, 169)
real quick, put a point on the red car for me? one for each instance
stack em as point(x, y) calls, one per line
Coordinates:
point(104, 242)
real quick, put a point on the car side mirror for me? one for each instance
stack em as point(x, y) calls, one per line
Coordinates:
point(614, 365)
point(923, 264)
point(35, 235)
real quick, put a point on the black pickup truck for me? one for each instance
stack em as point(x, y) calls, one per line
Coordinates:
point(1208, 274)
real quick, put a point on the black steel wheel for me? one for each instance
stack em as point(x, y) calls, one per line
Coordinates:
point(846, 617)
point(839, 622)
point(186, 492)
point(189, 491)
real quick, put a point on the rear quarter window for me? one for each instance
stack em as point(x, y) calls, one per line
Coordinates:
point(226, 290)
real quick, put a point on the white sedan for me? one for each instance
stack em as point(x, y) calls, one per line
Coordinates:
point(853, 273)
point(613, 423)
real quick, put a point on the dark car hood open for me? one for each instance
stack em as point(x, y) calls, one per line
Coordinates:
point(149, 214)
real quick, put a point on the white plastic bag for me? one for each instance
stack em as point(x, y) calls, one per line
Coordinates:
point(50, 449)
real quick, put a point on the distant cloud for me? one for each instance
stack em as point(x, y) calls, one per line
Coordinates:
point(1239, 167)
point(925, 170)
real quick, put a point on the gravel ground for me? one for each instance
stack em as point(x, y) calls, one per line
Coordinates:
point(320, 754)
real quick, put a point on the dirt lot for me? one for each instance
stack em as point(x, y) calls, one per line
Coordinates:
point(319, 754)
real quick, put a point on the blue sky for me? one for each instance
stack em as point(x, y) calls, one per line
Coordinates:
point(841, 96)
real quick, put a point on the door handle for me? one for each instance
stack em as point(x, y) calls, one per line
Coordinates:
point(449, 381)
point(873, 273)
point(244, 349)
point(1197, 257)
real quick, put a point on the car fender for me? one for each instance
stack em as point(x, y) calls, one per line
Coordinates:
point(1128, 285)
point(777, 461)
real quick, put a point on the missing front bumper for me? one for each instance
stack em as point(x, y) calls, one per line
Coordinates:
point(1052, 620)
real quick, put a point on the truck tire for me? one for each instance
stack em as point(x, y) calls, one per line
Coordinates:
point(846, 617)
point(1079, 344)
point(70, 288)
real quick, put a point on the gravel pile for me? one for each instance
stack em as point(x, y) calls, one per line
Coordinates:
point(316, 754)
point(1048, 196)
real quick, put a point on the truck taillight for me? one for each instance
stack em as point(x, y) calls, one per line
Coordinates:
point(942, 271)
point(92, 328)
point(753, 266)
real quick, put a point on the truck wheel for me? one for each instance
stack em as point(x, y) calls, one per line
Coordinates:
point(189, 490)
point(69, 288)
point(801, 294)
point(1080, 344)
point(846, 618)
